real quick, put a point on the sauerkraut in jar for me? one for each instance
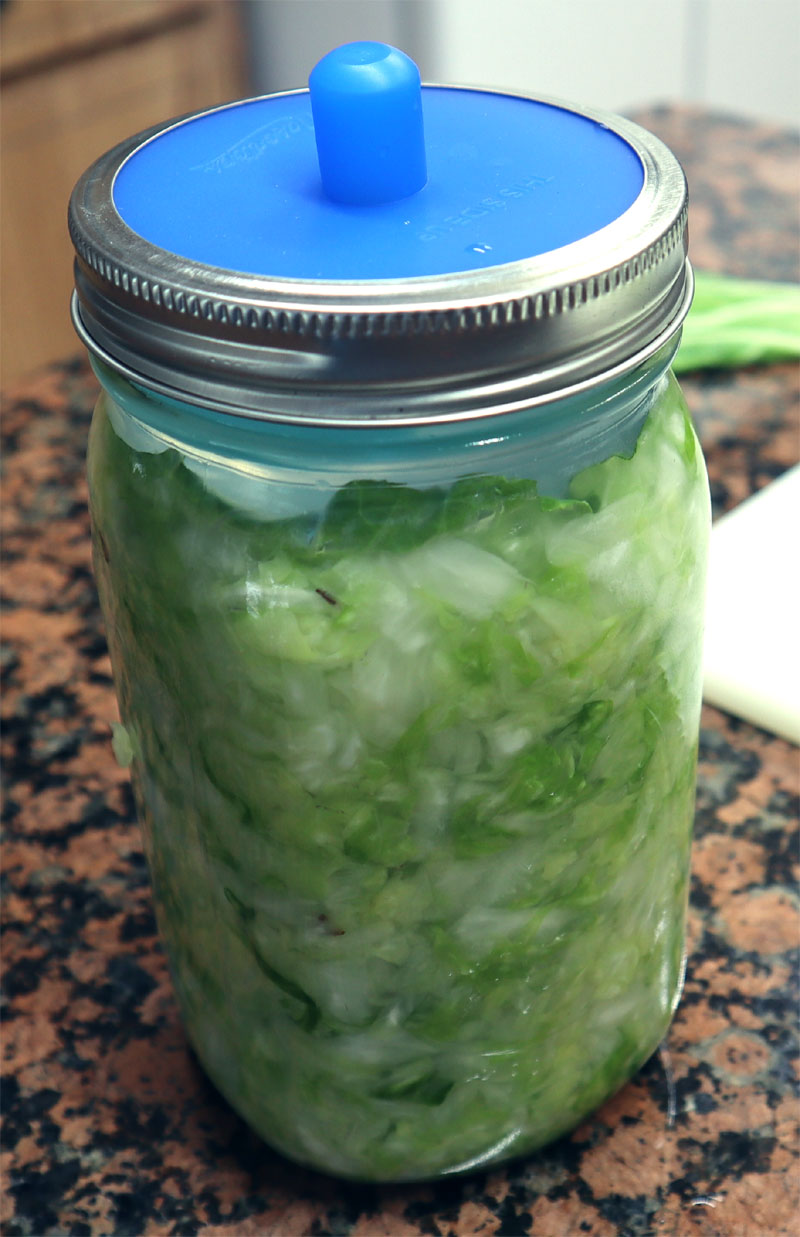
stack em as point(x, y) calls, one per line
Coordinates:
point(400, 528)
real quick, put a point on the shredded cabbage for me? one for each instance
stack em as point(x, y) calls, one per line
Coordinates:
point(416, 778)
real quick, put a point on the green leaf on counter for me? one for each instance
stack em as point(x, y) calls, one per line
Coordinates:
point(735, 322)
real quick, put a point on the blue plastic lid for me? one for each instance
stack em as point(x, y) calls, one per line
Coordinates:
point(373, 251)
point(246, 188)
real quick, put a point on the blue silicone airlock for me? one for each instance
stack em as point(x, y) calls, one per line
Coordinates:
point(508, 177)
point(366, 100)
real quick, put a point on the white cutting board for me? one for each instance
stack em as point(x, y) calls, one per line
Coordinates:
point(752, 643)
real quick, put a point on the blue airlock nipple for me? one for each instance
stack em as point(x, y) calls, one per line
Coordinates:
point(366, 100)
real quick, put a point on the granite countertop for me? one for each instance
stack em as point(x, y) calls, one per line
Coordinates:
point(110, 1126)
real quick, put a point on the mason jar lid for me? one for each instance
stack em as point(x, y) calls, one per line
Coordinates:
point(370, 250)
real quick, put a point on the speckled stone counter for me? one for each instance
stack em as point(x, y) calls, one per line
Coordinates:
point(109, 1124)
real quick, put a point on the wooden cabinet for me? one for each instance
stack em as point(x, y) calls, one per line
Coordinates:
point(77, 77)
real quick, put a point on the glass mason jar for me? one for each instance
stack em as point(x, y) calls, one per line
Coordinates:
point(409, 676)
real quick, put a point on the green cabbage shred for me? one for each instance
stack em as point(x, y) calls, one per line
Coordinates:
point(416, 778)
